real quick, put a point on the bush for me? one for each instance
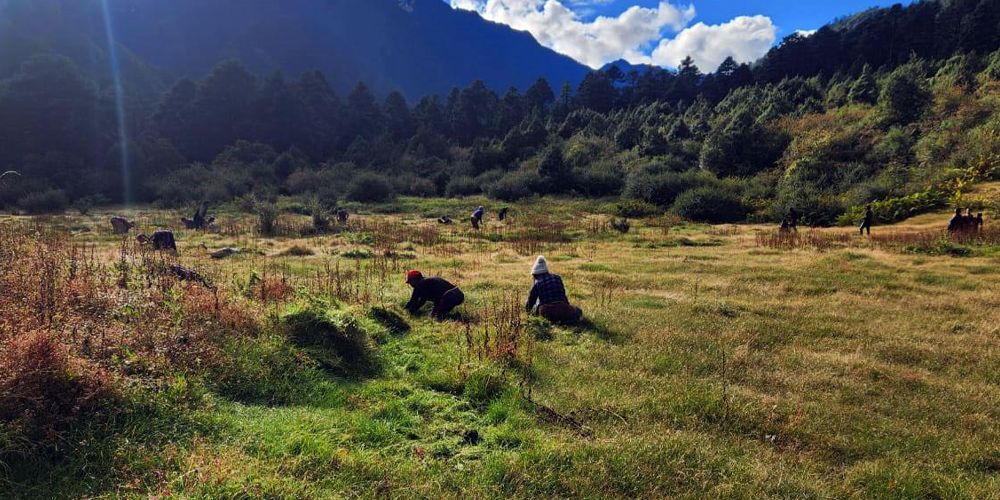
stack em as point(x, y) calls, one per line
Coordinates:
point(411, 185)
point(635, 209)
point(267, 216)
point(601, 179)
point(514, 186)
point(51, 201)
point(708, 204)
point(663, 188)
point(340, 341)
point(461, 186)
point(45, 393)
point(369, 187)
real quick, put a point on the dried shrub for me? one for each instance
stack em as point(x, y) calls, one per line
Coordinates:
point(45, 393)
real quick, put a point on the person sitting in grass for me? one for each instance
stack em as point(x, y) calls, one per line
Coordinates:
point(438, 291)
point(549, 295)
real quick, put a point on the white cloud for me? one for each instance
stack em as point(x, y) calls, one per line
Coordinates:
point(745, 39)
point(638, 35)
point(594, 43)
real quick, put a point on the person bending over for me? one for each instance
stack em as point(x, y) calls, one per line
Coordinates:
point(438, 291)
point(549, 295)
point(477, 217)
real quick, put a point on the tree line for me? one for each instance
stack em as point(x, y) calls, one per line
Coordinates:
point(733, 138)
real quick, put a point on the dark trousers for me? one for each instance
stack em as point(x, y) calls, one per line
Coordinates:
point(561, 313)
point(865, 227)
point(475, 223)
point(449, 301)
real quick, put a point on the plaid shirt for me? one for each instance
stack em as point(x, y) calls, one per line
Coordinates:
point(548, 289)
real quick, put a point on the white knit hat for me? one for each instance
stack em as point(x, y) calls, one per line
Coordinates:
point(540, 267)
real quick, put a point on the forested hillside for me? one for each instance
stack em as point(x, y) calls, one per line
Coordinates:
point(895, 106)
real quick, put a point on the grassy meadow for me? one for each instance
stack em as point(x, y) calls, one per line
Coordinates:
point(715, 362)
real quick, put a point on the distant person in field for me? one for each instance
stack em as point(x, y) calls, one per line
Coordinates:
point(793, 219)
point(549, 295)
point(477, 217)
point(980, 222)
point(502, 214)
point(342, 215)
point(957, 222)
point(866, 223)
point(437, 291)
point(445, 220)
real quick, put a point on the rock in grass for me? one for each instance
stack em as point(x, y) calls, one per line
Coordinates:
point(225, 252)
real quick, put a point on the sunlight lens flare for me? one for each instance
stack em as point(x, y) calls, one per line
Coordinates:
point(119, 104)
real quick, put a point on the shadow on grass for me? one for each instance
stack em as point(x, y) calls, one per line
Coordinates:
point(599, 329)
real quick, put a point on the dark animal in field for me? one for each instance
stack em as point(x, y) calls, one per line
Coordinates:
point(342, 216)
point(622, 226)
point(785, 227)
point(121, 225)
point(502, 214)
point(445, 220)
point(200, 220)
point(185, 274)
point(161, 240)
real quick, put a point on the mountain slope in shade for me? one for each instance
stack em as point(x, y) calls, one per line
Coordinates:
point(415, 46)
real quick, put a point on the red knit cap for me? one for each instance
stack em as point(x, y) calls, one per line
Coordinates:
point(413, 275)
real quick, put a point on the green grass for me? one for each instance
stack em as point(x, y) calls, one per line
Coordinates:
point(720, 370)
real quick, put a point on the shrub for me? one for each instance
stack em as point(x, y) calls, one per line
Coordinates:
point(896, 209)
point(461, 186)
point(411, 185)
point(336, 338)
point(50, 201)
point(83, 205)
point(302, 181)
point(635, 209)
point(45, 393)
point(663, 188)
point(267, 216)
point(368, 187)
point(601, 179)
point(514, 186)
point(713, 205)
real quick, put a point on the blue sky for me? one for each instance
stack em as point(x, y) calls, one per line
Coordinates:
point(788, 15)
point(663, 32)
